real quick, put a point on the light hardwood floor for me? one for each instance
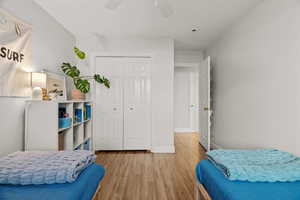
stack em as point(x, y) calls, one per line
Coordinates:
point(147, 176)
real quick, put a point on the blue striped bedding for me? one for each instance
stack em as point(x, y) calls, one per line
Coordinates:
point(261, 165)
point(220, 188)
point(83, 188)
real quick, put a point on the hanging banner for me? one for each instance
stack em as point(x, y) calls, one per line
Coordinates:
point(15, 56)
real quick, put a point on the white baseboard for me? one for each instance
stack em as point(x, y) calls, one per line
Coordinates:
point(163, 149)
point(184, 130)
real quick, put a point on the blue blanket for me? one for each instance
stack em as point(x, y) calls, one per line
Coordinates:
point(220, 188)
point(83, 188)
point(263, 165)
point(28, 168)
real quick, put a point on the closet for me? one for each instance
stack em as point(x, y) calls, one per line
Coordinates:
point(123, 112)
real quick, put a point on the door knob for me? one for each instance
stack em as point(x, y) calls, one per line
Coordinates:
point(115, 109)
point(206, 108)
point(130, 108)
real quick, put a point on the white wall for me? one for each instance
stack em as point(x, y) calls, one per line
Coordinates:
point(192, 57)
point(257, 79)
point(162, 51)
point(51, 45)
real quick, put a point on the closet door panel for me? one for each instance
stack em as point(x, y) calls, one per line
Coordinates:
point(137, 104)
point(109, 106)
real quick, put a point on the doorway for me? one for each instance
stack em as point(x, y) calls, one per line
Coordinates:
point(186, 99)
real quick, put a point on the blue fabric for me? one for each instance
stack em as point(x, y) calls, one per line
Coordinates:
point(220, 188)
point(82, 189)
point(44, 167)
point(262, 165)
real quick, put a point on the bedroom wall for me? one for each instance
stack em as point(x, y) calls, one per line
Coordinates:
point(256, 71)
point(188, 57)
point(51, 46)
point(162, 51)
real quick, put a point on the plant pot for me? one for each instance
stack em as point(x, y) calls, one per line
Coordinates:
point(77, 95)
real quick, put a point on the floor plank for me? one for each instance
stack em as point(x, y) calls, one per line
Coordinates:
point(140, 175)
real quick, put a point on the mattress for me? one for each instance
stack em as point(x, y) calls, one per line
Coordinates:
point(219, 188)
point(82, 189)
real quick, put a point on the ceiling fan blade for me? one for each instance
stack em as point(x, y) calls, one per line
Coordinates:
point(165, 7)
point(113, 4)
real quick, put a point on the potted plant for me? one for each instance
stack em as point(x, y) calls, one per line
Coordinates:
point(82, 83)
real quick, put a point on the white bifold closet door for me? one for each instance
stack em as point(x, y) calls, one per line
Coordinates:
point(137, 104)
point(123, 112)
point(108, 119)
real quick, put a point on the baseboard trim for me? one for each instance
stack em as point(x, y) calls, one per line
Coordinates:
point(184, 130)
point(163, 149)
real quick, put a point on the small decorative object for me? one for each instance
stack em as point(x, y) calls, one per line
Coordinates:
point(77, 95)
point(45, 95)
point(56, 86)
point(82, 83)
point(38, 82)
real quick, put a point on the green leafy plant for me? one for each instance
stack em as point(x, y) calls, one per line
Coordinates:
point(82, 82)
point(79, 53)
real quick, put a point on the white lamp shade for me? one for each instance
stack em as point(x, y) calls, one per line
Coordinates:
point(38, 80)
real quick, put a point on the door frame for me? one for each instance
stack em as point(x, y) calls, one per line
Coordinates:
point(118, 54)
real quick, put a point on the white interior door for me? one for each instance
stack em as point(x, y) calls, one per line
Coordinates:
point(204, 103)
point(137, 104)
point(186, 99)
point(109, 105)
point(182, 102)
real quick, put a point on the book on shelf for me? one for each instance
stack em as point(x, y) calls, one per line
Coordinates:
point(87, 111)
point(78, 115)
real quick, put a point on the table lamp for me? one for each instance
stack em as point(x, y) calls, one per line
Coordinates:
point(38, 82)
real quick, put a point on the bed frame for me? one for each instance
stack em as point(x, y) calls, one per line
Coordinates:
point(96, 195)
point(200, 192)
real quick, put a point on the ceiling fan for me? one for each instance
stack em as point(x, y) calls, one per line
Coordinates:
point(163, 5)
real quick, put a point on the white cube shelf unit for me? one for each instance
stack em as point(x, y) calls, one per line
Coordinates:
point(43, 132)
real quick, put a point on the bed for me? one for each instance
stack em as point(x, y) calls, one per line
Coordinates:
point(212, 185)
point(86, 187)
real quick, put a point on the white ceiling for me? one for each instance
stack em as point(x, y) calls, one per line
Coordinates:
point(139, 18)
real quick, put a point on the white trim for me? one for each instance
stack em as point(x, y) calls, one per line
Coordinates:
point(184, 130)
point(163, 149)
point(187, 64)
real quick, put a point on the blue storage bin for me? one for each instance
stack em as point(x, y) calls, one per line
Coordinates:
point(65, 122)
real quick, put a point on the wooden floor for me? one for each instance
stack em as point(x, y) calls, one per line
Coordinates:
point(147, 176)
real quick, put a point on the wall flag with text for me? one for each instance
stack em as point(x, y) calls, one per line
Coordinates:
point(15, 56)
